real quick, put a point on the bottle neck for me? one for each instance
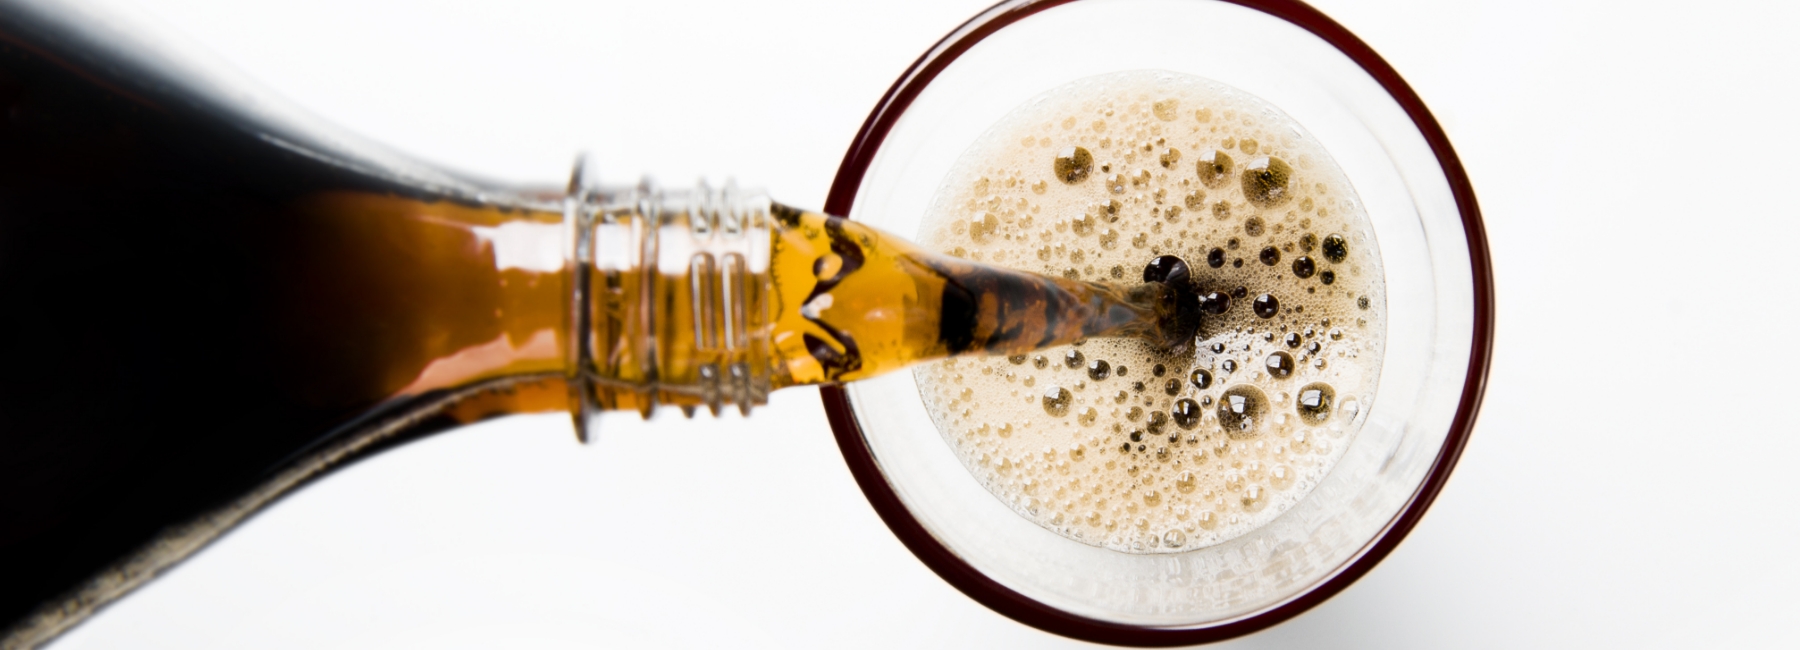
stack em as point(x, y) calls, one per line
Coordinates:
point(670, 298)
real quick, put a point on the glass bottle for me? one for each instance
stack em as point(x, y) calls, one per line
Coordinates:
point(214, 301)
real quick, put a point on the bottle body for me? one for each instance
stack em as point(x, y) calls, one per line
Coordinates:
point(212, 301)
point(201, 300)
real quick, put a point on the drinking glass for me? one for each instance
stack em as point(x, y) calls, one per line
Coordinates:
point(1439, 328)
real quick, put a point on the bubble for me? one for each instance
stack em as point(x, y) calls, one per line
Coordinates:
point(1040, 362)
point(1111, 209)
point(1116, 183)
point(1214, 167)
point(1099, 369)
point(1087, 416)
point(1254, 226)
point(1172, 387)
point(1241, 410)
point(1135, 413)
point(1292, 340)
point(1186, 413)
point(1158, 420)
point(1169, 157)
point(980, 228)
point(1073, 359)
point(1280, 365)
point(1221, 210)
point(1174, 538)
point(1167, 269)
point(1073, 164)
point(1266, 306)
point(1269, 256)
point(1195, 200)
point(1166, 110)
point(1314, 403)
point(1016, 359)
point(1200, 378)
point(1083, 224)
point(1281, 477)
point(1350, 409)
point(1216, 258)
point(1327, 277)
point(1233, 481)
point(1335, 248)
point(1362, 302)
point(1253, 471)
point(1303, 267)
point(1056, 401)
point(1266, 181)
point(1158, 370)
point(1186, 483)
point(1254, 498)
point(1228, 365)
point(1214, 303)
point(1206, 520)
point(1308, 241)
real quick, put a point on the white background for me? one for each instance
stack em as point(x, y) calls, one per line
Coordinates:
point(1630, 483)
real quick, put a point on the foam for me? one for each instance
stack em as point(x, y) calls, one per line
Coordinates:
point(1003, 203)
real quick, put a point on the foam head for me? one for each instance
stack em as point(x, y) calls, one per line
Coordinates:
point(1144, 176)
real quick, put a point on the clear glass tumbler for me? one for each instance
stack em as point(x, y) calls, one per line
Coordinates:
point(1439, 326)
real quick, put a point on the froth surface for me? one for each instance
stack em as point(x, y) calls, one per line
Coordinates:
point(1111, 442)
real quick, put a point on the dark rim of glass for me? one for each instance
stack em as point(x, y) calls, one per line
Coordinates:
point(1044, 617)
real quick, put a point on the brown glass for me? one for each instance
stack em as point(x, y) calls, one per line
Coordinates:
point(212, 305)
point(192, 308)
point(1019, 607)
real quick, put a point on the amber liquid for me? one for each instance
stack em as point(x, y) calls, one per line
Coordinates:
point(894, 304)
point(190, 308)
point(194, 308)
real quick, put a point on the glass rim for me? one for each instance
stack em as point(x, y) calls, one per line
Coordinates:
point(1019, 607)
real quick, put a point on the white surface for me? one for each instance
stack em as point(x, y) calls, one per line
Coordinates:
point(1627, 486)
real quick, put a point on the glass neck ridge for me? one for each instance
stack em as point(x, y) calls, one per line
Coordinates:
point(670, 298)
